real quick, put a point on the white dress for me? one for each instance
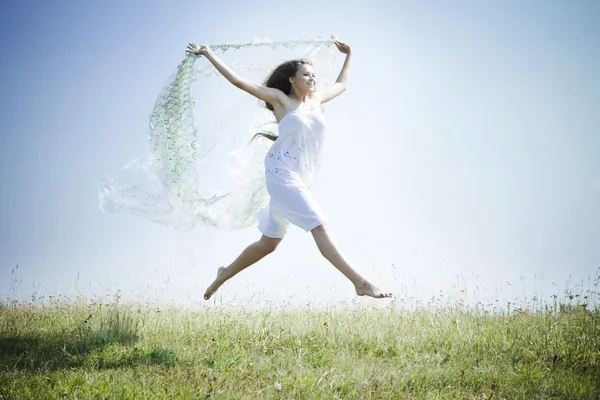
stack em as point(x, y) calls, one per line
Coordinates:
point(291, 166)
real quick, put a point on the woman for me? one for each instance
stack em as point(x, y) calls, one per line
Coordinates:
point(291, 163)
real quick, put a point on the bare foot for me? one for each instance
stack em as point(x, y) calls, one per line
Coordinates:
point(215, 285)
point(368, 289)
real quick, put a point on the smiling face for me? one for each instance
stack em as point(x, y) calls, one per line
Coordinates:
point(305, 79)
point(293, 77)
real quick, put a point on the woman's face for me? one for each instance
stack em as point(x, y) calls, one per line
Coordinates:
point(305, 79)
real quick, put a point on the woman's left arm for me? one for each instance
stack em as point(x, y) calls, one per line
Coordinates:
point(342, 81)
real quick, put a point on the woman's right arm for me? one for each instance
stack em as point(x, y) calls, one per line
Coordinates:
point(270, 95)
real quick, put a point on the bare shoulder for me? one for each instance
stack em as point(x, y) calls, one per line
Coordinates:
point(317, 97)
point(287, 105)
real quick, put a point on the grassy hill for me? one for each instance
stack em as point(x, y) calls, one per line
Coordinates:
point(97, 350)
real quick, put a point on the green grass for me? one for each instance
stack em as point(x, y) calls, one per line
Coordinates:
point(91, 350)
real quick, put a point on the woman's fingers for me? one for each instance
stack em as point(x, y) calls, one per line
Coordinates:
point(194, 48)
point(336, 41)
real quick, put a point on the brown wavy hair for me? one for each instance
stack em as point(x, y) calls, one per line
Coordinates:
point(279, 78)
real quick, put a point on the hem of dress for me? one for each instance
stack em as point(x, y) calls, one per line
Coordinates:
point(315, 225)
point(270, 234)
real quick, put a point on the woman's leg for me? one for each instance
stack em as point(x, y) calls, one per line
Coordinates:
point(329, 250)
point(249, 256)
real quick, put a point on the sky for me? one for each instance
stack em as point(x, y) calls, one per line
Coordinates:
point(461, 161)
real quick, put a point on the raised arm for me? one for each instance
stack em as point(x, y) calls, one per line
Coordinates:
point(342, 81)
point(270, 95)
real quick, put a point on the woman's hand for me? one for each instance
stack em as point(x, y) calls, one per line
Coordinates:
point(342, 47)
point(198, 50)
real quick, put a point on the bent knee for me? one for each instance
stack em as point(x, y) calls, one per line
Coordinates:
point(268, 245)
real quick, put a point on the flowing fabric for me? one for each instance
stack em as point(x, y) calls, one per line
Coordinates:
point(202, 166)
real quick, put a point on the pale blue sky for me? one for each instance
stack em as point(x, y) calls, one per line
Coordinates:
point(467, 143)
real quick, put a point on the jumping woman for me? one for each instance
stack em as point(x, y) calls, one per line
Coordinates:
point(291, 163)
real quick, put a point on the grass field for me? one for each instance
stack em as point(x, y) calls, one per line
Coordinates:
point(115, 350)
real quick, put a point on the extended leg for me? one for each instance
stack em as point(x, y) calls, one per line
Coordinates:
point(329, 250)
point(249, 256)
